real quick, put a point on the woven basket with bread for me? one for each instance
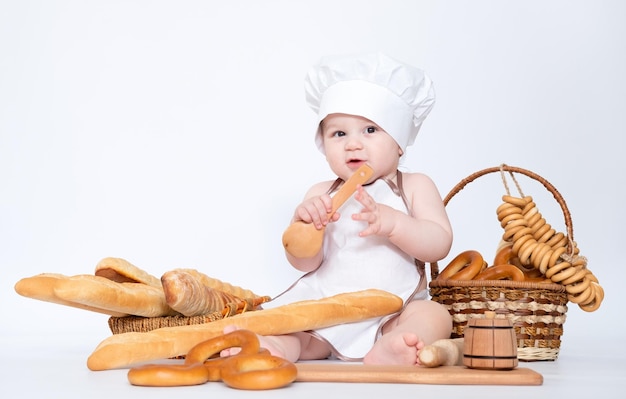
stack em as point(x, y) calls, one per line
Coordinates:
point(535, 272)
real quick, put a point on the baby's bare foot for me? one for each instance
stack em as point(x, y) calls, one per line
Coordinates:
point(395, 348)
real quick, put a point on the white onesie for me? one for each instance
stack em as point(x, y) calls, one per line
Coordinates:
point(354, 263)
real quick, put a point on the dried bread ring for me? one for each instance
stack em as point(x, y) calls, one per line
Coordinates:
point(170, 375)
point(244, 339)
point(258, 372)
point(465, 266)
point(504, 255)
point(251, 368)
point(501, 272)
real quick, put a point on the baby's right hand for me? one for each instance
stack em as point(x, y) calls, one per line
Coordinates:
point(315, 210)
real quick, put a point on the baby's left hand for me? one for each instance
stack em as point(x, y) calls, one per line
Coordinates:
point(377, 216)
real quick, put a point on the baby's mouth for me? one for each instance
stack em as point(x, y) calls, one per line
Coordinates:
point(355, 163)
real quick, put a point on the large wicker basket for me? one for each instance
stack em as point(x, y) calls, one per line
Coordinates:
point(536, 310)
point(119, 325)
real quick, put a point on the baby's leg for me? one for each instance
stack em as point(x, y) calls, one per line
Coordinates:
point(421, 323)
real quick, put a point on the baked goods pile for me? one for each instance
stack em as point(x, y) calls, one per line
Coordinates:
point(253, 368)
point(531, 250)
point(118, 288)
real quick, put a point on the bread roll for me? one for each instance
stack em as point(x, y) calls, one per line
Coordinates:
point(124, 350)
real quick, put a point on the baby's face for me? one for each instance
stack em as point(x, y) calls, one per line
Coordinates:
point(350, 141)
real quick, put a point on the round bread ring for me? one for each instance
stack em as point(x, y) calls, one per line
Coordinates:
point(504, 255)
point(258, 372)
point(524, 251)
point(577, 289)
point(533, 220)
point(197, 368)
point(505, 209)
point(582, 298)
point(554, 257)
point(168, 375)
point(510, 219)
point(520, 202)
point(465, 266)
point(529, 208)
point(576, 278)
point(510, 232)
point(507, 217)
point(547, 235)
point(595, 303)
point(523, 238)
point(244, 339)
point(537, 255)
point(501, 272)
point(539, 232)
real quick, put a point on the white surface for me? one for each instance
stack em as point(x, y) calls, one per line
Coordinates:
point(175, 134)
point(54, 367)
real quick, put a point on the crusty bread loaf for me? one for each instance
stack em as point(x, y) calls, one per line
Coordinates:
point(187, 295)
point(42, 287)
point(220, 285)
point(100, 292)
point(122, 271)
point(124, 350)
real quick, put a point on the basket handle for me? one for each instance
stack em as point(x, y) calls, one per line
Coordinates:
point(434, 269)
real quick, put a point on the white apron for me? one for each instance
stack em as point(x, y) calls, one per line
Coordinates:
point(354, 263)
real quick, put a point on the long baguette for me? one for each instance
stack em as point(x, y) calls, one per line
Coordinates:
point(130, 298)
point(124, 350)
point(122, 271)
point(41, 287)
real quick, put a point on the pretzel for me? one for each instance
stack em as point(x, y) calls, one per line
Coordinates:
point(252, 368)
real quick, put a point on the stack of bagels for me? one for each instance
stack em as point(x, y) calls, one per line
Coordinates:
point(530, 250)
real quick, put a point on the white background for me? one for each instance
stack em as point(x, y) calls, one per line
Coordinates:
point(175, 133)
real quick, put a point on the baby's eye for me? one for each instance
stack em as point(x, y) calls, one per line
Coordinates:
point(339, 133)
point(370, 129)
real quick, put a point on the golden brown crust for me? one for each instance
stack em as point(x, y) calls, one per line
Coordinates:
point(465, 266)
point(42, 287)
point(501, 272)
point(129, 298)
point(189, 296)
point(122, 271)
point(123, 350)
point(219, 285)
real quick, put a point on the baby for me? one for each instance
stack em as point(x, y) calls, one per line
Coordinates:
point(370, 109)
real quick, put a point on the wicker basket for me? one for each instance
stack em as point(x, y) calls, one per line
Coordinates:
point(536, 310)
point(119, 325)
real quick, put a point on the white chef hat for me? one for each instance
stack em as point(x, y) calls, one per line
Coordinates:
point(395, 96)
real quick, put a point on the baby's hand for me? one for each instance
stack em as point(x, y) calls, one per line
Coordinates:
point(315, 210)
point(373, 213)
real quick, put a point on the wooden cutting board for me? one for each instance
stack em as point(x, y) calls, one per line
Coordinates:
point(444, 375)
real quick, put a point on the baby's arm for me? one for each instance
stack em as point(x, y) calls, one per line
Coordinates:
point(426, 236)
point(315, 207)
